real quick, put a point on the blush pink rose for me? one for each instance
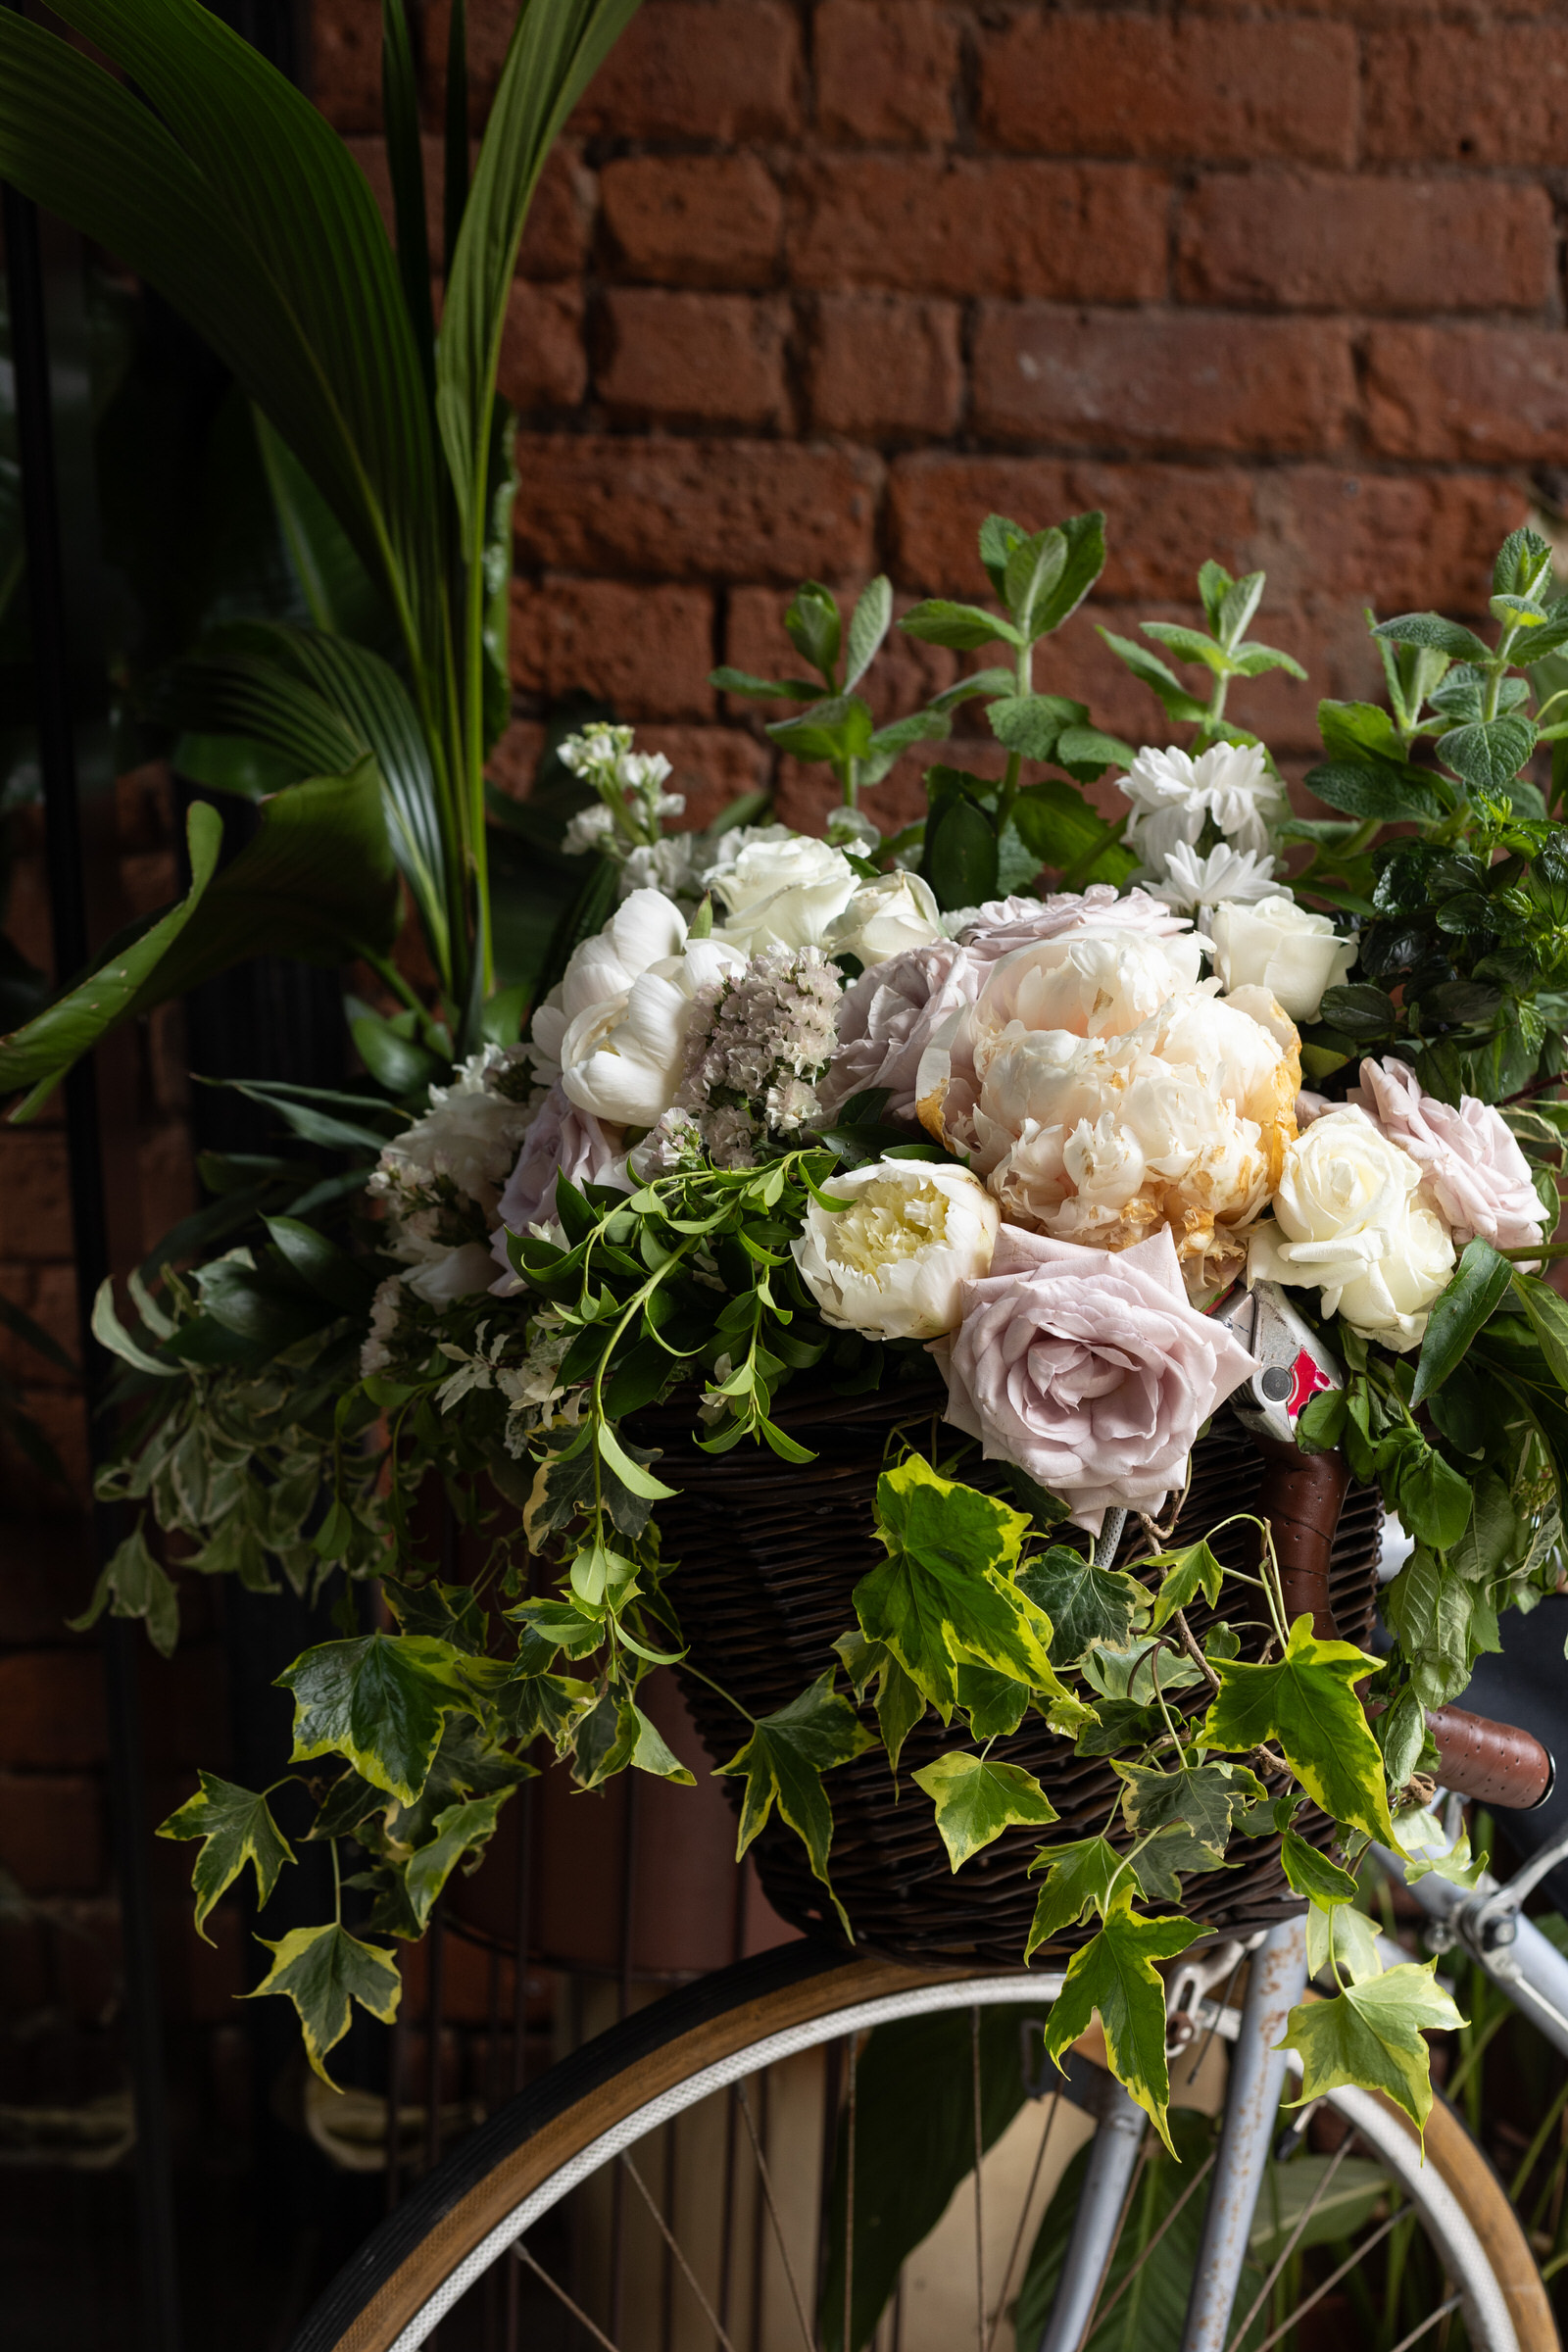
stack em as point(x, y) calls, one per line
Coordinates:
point(560, 1141)
point(1088, 1369)
point(1469, 1163)
point(1004, 924)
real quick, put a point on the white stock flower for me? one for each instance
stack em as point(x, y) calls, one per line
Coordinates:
point(1173, 794)
point(885, 919)
point(589, 829)
point(893, 1263)
point(1351, 1222)
point(1284, 948)
point(783, 892)
point(1101, 1091)
point(1195, 885)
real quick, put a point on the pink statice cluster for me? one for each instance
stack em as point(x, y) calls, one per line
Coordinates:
point(757, 1042)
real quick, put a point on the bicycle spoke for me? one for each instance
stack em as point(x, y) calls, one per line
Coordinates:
point(1431, 2320)
point(1317, 2196)
point(669, 2239)
point(979, 2195)
point(556, 2288)
point(1053, 2110)
point(1357, 2254)
point(772, 2215)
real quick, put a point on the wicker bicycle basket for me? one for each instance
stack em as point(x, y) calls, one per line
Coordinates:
point(768, 1554)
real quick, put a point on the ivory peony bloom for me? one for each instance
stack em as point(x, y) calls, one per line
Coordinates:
point(1089, 1371)
point(784, 892)
point(885, 919)
point(1469, 1162)
point(1284, 948)
point(1349, 1219)
point(615, 1031)
point(1100, 1092)
point(893, 1263)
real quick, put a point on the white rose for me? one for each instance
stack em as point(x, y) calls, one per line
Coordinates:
point(623, 1059)
point(893, 1263)
point(884, 919)
point(1281, 947)
point(1353, 1222)
point(784, 891)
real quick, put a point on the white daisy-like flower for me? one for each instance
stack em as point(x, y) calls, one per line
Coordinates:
point(1173, 795)
point(1194, 885)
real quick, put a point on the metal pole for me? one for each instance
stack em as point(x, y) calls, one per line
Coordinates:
point(1276, 1981)
point(59, 664)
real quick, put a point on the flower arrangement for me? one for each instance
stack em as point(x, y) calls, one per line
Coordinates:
point(1019, 1099)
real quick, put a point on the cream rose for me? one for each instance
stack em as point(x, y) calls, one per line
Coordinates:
point(783, 893)
point(893, 1263)
point(1468, 1160)
point(1350, 1220)
point(1101, 1091)
point(1089, 1371)
point(1284, 948)
point(885, 919)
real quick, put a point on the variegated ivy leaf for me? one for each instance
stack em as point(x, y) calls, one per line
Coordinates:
point(977, 1798)
point(1205, 1798)
point(898, 1704)
point(379, 1702)
point(1305, 1701)
point(1309, 1873)
point(615, 1735)
point(460, 1831)
point(1078, 1879)
point(1341, 1942)
point(323, 1970)
point(236, 1828)
point(1424, 1846)
point(1114, 1978)
point(1171, 1855)
point(1371, 2033)
point(784, 1761)
point(1083, 1602)
point(133, 1583)
point(1127, 1671)
point(1190, 1570)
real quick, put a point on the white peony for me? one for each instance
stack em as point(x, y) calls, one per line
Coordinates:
point(893, 1263)
point(1101, 1091)
point(643, 930)
point(1284, 948)
point(1196, 885)
point(785, 892)
point(1350, 1220)
point(1173, 795)
point(886, 919)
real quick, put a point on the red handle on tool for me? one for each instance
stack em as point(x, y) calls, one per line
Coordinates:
point(1300, 1500)
point(1493, 1762)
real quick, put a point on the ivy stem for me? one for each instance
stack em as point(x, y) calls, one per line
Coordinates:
point(730, 1700)
point(1190, 1644)
point(1160, 1696)
point(337, 1887)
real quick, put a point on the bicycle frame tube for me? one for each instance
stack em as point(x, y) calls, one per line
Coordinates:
point(1511, 1947)
point(1275, 1984)
point(1113, 2160)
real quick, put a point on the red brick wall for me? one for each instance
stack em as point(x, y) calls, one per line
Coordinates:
point(810, 287)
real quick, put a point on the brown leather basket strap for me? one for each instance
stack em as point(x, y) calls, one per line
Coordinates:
point(1493, 1762)
point(1301, 1499)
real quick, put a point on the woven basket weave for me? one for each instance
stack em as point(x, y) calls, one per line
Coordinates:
point(768, 1554)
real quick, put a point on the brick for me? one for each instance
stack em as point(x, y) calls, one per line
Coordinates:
point(694, 358)
point(933, 225)
point(693, 220)
point(543, 363)
point(48, 1293)
point(648, 651)
point(1484, 393)
point(1395, 541)
point(905, 675)
point(1462, 93)
point(51, 1833)
point(48, 1575)
point(346, 62)
point(1162, 520)
point(35, 1195)
point(1093, 82)
point(721, 70)
point(52, 1708)
point(882, 367)
point(695, 510)
point(1315, 240)
point(1178, 382)
point(885, 71)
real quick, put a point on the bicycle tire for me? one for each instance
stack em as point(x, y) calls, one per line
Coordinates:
point(665, 2058)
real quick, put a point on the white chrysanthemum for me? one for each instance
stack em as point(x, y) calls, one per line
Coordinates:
point(1194, 885)
point(1173, 795)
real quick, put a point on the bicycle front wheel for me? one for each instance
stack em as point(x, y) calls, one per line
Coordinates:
point(1352, 2226)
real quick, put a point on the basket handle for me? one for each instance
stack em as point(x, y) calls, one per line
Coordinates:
point(1301, 1499)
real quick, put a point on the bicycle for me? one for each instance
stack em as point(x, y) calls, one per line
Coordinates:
point(1249, 2222)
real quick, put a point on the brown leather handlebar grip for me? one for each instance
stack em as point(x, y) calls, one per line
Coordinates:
point(1300, 1500)
point(1493, 1762)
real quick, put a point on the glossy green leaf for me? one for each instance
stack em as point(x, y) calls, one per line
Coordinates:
point(1114, 1978)
point(1472, 1296)
point(1548, 1312)
point(323, 1970)
point(1371, 2035)
point(236, 1828)
point(379, 1702)
point(1309, 1873)
point(976, 1798)
point(1078, 1879)
point(783, 1763)
point(1190, 1569)
point(1083, 1602)
point(1307, 1701)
